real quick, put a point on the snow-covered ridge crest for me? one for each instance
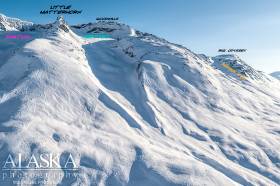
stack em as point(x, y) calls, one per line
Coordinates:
point(234, 64)
point(12, 24)
point(59, 24)
point(115, 29)
point(58, 27)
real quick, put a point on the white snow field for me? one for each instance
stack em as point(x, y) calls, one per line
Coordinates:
point(136, 110)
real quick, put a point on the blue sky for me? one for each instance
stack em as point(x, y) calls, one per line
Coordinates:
point(203, 26)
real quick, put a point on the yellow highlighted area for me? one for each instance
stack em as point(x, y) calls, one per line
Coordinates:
point(229, 68)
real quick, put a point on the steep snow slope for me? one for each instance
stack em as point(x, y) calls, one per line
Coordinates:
point(138, 110)
point(276, 75)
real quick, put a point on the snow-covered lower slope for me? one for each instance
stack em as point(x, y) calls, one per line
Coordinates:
point(138, 110)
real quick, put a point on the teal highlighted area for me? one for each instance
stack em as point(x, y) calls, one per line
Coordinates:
point(97, 35)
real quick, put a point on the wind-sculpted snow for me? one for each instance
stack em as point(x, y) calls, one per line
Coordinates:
point(137, 110)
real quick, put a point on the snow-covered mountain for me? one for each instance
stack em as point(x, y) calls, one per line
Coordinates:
point(238, 67)
point(276, 74)
point(12, 24)
point(136, 109)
